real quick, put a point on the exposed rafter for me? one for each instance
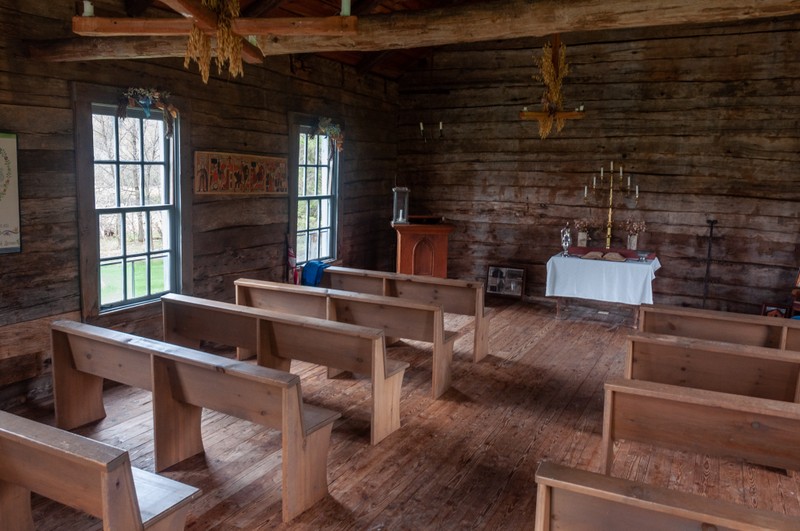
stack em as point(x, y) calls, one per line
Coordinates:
point(501, 19)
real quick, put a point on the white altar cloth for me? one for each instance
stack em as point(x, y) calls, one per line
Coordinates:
point(629, 282)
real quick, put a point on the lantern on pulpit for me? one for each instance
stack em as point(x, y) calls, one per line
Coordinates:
point(400, 209)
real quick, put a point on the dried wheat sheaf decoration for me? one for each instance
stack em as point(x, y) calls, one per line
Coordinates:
point(552, 71)
point(229, 45)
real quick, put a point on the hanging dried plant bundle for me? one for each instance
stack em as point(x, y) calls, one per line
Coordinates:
point(552, 75)
point(199, 51)
point(229, 45)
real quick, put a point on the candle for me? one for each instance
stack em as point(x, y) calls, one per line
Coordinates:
point(440, 126)
point(601, 172)
point(620, 172)
point(524, 109)
point(612, 167)
point(637, 191)
point(629, 181)
point(586, 191)
point(421, 127)
point(88, 9)
point(594, 181)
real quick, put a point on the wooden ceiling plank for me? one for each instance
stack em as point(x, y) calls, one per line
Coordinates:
point(261, 8)
point(134, 8)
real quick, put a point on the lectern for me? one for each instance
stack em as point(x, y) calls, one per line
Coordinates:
point(422, 247)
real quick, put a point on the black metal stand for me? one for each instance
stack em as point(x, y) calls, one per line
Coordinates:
point(711, 223)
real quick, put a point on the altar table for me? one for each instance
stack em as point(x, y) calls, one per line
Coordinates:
point(629, 282)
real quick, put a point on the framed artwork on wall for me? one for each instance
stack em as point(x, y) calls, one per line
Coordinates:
point(507, 281)
point(237, 173)
point(10, 238)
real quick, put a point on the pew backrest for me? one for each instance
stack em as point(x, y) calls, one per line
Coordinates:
point(189, 320)
point(568, 498)
point(757, 430)
point(87, 475)
point(462, 297)
point(747, 370)
point(715, 325)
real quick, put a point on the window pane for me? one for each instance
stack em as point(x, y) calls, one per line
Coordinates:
point(302, 150)
point(159, 274)
point(110, 235)
point(311, 181)
point(104, 138)
point(302, 246)
point(105, 186)
point(154, 185)
point(302, 215)
point(129, 139)
point(311, 157)
point(324, 186)
point(130, 185)
point(111, 282)
point(137, 277)
point(135, 233)
point(154, 140)
point(160, 230)
point(325, 213)
point(324, 149)
point(313, 245)
point(325, 243)
point(313, 214)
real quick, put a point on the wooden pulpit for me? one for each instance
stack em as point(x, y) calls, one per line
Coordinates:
point(422, 248)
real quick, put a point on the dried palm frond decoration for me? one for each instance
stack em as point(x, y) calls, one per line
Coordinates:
point(553, 68)
point(229, 45)
point(334, 132)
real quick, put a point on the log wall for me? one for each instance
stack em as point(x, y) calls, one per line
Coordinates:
point(705, 118)
point(231, 236)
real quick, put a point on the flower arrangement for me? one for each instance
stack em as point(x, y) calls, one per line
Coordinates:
point(333, 132)
point(586, 224)
point(633, 226)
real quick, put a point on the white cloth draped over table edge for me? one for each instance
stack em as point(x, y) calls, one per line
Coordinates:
point(602, 280)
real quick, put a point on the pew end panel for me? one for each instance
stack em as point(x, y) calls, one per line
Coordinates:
point(714, 366)
point(573, 499)
point(77, 396)
point(306, 436)
point(760, 431)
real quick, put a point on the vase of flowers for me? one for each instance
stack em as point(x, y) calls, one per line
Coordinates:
point(582, 227)
point(633, 227)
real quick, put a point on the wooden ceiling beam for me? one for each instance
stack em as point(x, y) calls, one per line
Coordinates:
point(509, 19)
point(476, 22)
point(131, 27)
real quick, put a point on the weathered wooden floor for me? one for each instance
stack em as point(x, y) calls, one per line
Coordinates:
point(466, 461)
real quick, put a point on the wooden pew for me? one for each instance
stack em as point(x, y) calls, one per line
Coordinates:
point(183, 382)
point(84, 474)
point(277, 338)
point(396, 317)
point(747, 329)
point(747, 370)
point(760, 431)
point(462, 297)
point(568, 498)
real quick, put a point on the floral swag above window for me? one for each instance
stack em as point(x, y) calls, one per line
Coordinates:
point(146, 99)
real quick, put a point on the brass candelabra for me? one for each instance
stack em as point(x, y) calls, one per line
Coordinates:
point(597, 192)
